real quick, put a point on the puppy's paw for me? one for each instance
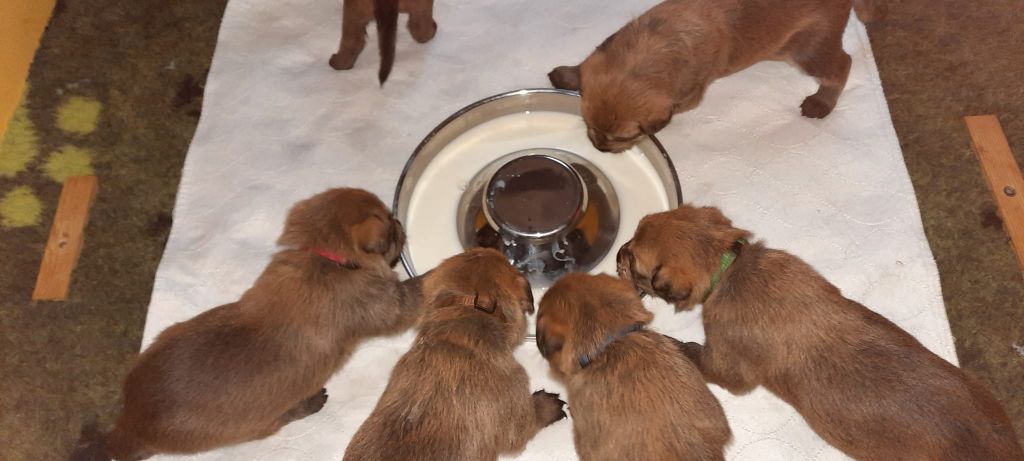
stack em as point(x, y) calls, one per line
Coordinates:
point(343, 60)
point(315, 403)
point(814, 107)
point(692, 351)
point(422, 32)
point(565, 78)
point(548, 407)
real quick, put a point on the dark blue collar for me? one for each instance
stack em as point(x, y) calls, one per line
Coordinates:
point(586, 359)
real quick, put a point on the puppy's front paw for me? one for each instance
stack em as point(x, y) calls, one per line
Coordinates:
point(342, 60)
point(814, 107)
point(565, 78)
point(548, 407)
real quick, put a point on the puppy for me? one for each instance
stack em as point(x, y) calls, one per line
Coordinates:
point(240, 371)
point(863, 384)
point(660, 63)
point(459, 394)
point(634, 395)
point(357, 14)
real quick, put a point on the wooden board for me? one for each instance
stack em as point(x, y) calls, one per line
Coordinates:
point(65, 242)
point(1002, 174)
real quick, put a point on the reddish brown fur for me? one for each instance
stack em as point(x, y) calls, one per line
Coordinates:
point(459, 394)
point(865, 385)
point(639, 397)
point(661, 63)
point(240, 371)
point(357, 14)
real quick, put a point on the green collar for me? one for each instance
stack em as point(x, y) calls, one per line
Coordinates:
point(727, 259)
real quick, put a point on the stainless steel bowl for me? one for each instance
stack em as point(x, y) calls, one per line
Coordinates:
point(573, 232)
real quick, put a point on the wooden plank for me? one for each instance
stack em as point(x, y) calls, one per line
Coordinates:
point(65, 242)
point(1002, 175)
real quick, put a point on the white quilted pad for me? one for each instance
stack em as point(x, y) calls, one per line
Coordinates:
point(279, 125)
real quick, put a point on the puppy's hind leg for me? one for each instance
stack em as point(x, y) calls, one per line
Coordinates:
point(356, 15)
point(734, 375)
point(421, 19)
point(306, 407)
point(824, 59)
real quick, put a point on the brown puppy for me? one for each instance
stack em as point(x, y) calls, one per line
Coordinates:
point(240, 371)
point(660, 63)
point(633, 394)
point(459, 394)
point(357, 14)
point(862, 383)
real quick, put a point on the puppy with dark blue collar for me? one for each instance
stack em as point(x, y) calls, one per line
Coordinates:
point(632, 393)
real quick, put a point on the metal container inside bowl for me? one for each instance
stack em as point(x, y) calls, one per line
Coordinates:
point(550, 211)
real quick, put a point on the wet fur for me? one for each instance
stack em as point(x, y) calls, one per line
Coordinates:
point(639, 398)
point(459, 394)
point(357, 14)
point(863, 384)
point(241, 371)
point(661, 63)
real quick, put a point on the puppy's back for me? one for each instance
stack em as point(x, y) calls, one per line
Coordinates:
point(853, 362)
point(440, 404)
point(642, 399)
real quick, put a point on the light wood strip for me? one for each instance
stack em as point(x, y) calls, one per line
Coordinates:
point(1002, 175)
point(65, 242)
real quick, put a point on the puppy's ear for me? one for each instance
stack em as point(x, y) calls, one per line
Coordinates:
point(715, 216)
point(654, 125)
point(565, 77)
point(488, 303)
point(549, 342)
point(667, 285)
point(371, 236)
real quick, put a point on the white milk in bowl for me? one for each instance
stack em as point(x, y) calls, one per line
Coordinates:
point(431, 223)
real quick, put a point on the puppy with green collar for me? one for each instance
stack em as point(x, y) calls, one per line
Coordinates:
point(862, 383)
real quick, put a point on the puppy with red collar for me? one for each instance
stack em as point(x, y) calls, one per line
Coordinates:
point(633, 394)
point(240, 371)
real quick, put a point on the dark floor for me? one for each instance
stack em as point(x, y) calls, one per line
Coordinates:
point(62, 362)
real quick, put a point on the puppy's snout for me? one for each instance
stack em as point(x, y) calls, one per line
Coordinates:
point(595, 139)
point(529, 299)
point(397, 233)
point(395, 240)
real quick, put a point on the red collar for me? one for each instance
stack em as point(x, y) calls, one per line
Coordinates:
point(334, 257)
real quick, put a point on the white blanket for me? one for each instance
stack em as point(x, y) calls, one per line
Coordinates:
point(279, 125)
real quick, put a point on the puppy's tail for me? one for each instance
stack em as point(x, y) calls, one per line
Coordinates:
point(870, 10)
point(385, 12)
